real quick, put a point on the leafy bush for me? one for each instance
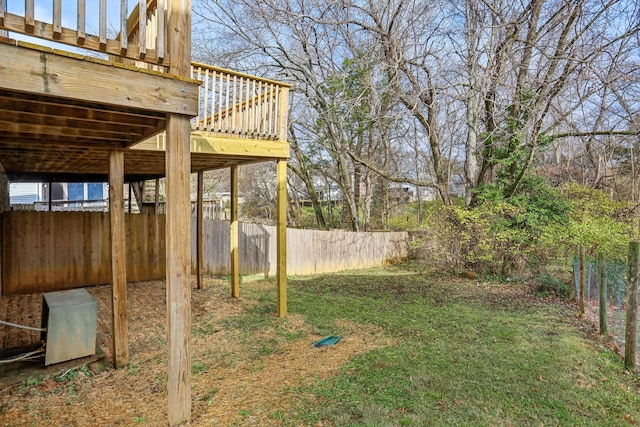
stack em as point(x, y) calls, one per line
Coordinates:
point(546, 284)
point(529, 230)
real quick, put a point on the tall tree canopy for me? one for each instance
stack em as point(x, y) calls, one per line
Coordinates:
point(442, 95)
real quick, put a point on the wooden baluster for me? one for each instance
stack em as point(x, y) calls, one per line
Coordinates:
point(205, 101)
point(233, 117)
point(252, 123)
point(241, 106)
point(245, 110)
point(29, 16)
point(269, 96)
point(264, 103)
point(124, 41)
point(283, 103)
point(57, 19)
point(213, 102)
point(227, 124)
point(220, 87)
point(160, 30)
point(259, 108)
point(103, 25)
point(81, 33)
point(3, 10)
point(142, 28)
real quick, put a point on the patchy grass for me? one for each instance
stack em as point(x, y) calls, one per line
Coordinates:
point(417, 350)
point(468, 353)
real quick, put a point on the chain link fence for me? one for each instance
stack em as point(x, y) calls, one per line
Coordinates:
point(615, 277)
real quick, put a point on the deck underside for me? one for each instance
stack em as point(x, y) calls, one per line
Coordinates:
point(61, 115)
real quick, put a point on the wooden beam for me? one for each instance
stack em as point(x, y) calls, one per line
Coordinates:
point(94, 113)
point(224, 145)
point(178, 213)
point(118, 259)
point(233, 235)
point(45, 73)
point(199, 229)
point(281, 236)
point(178, 216)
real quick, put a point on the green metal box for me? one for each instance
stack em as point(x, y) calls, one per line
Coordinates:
point(70, 318)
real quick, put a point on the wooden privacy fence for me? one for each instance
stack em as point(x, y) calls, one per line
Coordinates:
point(308, 251)
point(51, 251)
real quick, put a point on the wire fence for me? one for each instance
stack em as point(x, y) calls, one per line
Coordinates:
point(615, 276)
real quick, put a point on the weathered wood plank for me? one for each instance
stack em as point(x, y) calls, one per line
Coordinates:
point(124, 40)
point(142, 29)
point(57, 19)
point(29, 16)
point(281, 237)
point(178, 262)
point(81, 32)
point(233, 235)
point(199, 229)
point(118, 259)
point(160, 40)
point(41, 72)
point(102, 39)
point(178, 166)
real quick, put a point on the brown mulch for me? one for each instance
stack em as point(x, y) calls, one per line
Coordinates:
point(228, 386)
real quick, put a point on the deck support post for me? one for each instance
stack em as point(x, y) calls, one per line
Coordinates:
point(233, 235)
point(199, 229)
point(281, 236)
point(118, 259)
point(178, 217)
point(178, 226)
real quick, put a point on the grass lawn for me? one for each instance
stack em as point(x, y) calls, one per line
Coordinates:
point(464, 353)
point(417, 350)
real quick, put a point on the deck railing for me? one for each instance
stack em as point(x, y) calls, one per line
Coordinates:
point(144, 27)
point(241, 105)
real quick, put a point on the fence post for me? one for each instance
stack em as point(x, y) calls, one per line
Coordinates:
point(632, 308)
point(582, 281)
point(572, 288)
point(602, 285)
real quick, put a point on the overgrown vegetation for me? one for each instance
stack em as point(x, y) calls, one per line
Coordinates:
point(536, 228)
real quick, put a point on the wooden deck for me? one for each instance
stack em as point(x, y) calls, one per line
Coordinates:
point(101, 116)
point(61, 113)
point(55, 122)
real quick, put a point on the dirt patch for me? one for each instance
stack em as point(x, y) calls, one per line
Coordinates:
point(229, 387)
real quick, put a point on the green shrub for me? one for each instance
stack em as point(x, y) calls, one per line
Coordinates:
point(546, 284)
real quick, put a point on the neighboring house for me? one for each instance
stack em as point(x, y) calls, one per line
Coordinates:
point(64, 196)
point(24, 193)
